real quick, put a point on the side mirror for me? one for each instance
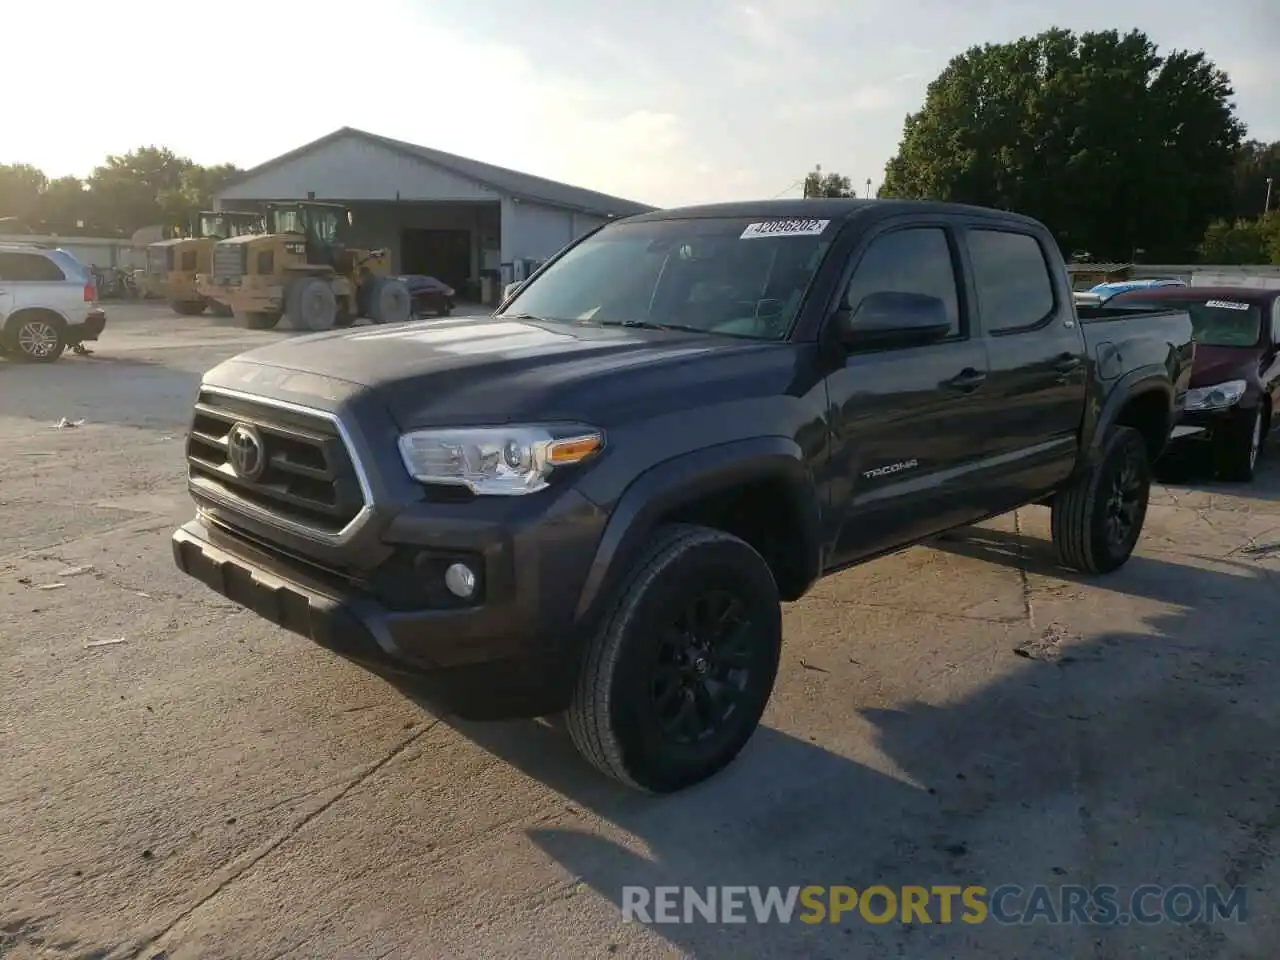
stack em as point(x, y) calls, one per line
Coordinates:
point(511, 289)
point(893, 319)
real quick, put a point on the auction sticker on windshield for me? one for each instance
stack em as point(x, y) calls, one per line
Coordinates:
point(1226, 305)
point(784, 228)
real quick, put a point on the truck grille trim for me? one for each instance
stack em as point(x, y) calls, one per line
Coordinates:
point(312, 483)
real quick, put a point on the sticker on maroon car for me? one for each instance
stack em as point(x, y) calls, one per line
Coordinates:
point(1226, 305)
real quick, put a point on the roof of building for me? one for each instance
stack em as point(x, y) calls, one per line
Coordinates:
point(511, 182)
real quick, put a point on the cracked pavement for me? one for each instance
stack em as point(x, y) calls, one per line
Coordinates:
point(182, 780)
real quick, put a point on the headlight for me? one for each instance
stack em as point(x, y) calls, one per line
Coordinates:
point(496, 461)
point(1218, 397)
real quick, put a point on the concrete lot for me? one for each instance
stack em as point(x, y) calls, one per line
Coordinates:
point(212, 787)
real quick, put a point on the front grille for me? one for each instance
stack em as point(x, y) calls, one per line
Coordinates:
point(308, 478)
point(230, 259)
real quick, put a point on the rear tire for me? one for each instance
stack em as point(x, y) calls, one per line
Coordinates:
point(663, 663)
point(36, 338)
point(310, 305)
point(1098, 519)
point(188, 308)
point(390, 301)
point(1236, 452)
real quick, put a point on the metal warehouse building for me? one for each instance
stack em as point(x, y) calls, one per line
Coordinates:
point(442, 215)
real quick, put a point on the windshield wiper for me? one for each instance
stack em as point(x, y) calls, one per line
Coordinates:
point(649, 325)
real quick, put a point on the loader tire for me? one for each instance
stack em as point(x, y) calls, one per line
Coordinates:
point(389, 301)
point(257, 320)
point(311, 305)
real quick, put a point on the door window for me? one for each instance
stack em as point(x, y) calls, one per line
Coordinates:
point(915, 260)
point(1012, 279)
point(29, 267)
point(1275, 321)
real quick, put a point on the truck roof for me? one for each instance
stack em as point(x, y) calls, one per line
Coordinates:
point(831, 208)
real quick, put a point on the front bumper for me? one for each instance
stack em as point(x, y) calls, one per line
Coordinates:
point(1211, 423)
point(510, 655)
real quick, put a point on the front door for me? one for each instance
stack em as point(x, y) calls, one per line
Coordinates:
point(1036, 395)
point(904, 430)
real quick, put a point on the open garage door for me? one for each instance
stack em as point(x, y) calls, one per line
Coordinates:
point(443, 254)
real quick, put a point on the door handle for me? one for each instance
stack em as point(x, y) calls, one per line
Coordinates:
point(1067, 364)
point(966, 380)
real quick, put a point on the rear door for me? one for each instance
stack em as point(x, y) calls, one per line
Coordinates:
point(905, 423)
point(1035, 402)
point(34, 279)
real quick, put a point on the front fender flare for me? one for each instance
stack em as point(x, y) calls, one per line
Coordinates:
point(687, 478)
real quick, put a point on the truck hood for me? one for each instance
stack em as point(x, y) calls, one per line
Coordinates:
point(497, 370)
point(1217, 364)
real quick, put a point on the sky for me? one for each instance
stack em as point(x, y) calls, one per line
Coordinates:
point(664, 102)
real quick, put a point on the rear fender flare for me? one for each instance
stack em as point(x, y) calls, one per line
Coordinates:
point(1144, 380)
point(687, 478)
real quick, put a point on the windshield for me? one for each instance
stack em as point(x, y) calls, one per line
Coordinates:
point(1217, 323)
point(737, 277)
point(286, 220)
point(318, 223)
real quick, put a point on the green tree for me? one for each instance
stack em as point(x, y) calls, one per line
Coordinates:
point(65, 206)
point(1112, 145)
point(1234, 242)
point(1256, 164)
point(130, 191)
point(819, 184)
point(20, 186)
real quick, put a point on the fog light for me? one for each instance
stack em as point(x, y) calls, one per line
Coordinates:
point(460, 579)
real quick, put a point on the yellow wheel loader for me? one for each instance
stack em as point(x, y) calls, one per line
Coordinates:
point(303, 272)
point(175, 266)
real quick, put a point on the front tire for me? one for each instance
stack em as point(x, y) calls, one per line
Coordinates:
point(310, 305)
point(188, 308)
point(675, 682)
point(1098, 519)
point(257, 320)
point(389, 301)
point(1236, 451)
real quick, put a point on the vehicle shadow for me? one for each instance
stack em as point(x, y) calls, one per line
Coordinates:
point(1143, 757)
point(1191, 468)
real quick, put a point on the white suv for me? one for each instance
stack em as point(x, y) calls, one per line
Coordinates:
point(48, 302)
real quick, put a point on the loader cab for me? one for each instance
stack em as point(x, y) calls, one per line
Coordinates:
point(325, 227)
point(221, 226)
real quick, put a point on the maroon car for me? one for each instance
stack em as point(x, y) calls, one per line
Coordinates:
point(1235, 381)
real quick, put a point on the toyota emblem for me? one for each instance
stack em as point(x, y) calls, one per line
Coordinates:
point(245, 452)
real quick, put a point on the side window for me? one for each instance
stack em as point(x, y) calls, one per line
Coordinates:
point(1275, 321)
point(1012, 279)
point(189, 260)
point(916, 260)
point(30, 268)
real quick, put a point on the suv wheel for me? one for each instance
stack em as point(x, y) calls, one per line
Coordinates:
point(1098, 519)
point(675, 682)
point(1236, 451)
point(37, 339)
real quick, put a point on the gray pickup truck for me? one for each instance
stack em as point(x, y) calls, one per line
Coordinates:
point(595, 500)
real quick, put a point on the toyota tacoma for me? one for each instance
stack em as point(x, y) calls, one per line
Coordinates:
point(595, 500)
